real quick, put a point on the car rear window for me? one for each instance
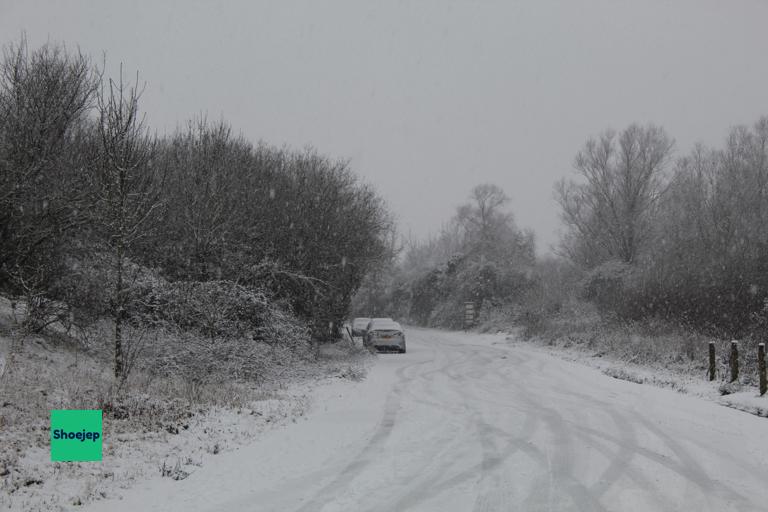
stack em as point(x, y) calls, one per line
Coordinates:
point(385, 326)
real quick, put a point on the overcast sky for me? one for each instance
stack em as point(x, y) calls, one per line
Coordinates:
point(428, 99)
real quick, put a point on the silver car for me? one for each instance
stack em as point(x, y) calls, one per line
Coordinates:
point(385, 334)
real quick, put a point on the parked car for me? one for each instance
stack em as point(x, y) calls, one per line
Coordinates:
point(359, 326)
point(375, 321)
point(385, 334)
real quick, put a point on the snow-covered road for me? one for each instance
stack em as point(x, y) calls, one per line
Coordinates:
point(468, 422)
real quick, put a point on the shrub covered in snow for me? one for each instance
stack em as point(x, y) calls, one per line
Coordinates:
point(220, 309)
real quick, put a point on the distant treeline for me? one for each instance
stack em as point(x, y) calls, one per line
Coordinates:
point(647, 237)
point(99, 217)
point(681, 239)
point(480, 256)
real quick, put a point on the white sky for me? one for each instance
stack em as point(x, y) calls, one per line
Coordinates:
point(428, 99)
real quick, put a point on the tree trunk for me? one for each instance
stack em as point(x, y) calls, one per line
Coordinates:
point(119, 312)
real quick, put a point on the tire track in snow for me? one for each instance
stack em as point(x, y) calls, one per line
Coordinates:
point(367, 454)
point(467, 380)
point(559, 477)
point(435, 478)
point(696, 474)
point(626, 445)
point(687, 467)
point(556, 478)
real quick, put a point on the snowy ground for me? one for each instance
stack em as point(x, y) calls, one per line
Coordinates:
point(159, 430)
point(468, 422)
point(746, 399)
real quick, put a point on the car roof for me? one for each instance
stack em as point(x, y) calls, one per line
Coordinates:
point(361, 320)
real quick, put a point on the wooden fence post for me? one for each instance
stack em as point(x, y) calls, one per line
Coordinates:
point(711, 360)
point(761, 368)
point(734, 361)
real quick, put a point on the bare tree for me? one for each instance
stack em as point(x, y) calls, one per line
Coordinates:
point(609, 214)
point(489, 228)
point(45, 96)
point(206, 164)
point(127, 187)
point(482, 217)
